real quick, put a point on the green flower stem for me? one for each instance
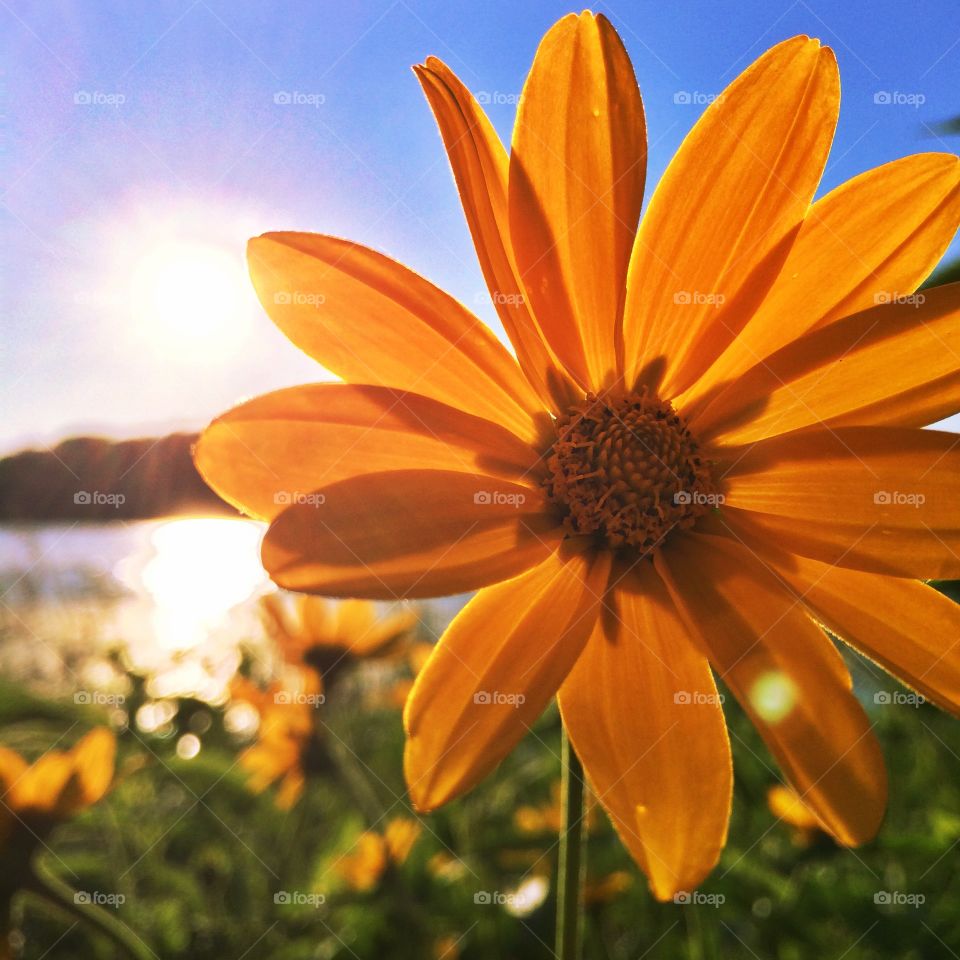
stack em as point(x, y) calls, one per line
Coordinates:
point(571, 862)
point(42, 883)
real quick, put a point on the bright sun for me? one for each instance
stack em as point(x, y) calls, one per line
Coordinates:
point(189, 296)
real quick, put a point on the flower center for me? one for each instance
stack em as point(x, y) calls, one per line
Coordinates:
point(627, 470)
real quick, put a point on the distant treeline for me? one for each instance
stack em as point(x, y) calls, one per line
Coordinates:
point(91, 478)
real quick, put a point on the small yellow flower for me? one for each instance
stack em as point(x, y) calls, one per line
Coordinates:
point(37, 796)
point(311, 630)
point(362, 868)
point(787, 805)
point(401, 834)
point(286, 736)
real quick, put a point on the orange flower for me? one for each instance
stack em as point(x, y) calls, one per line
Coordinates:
point(37, 796)
point(310, 630)
point(362, 869)
point(286, 737)
point(400, 834)
point(787, 805)
point(707, 446)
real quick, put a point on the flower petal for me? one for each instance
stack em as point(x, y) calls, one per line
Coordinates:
point(577, 170)
point(316, 620)
point(364, 634)
point(12, 768)
point(785, 804)
point(788, 676)
point(910, 629)
point(893, 365)
point(883, 499)
point(291, 789)
point(93, 764)
point(40, 787)
point(409, 533)
point(480, 167)
point(262, 454)
point(725, 213)
point(494, 671)
point(369, 319)
point(875, 237)
point(645, 719)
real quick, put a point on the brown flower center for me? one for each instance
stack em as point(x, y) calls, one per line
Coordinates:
point(628, 470)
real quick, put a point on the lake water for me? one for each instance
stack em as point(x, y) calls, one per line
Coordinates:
point(172, 600)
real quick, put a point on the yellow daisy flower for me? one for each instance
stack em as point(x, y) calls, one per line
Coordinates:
point(286, 738)
point(312, 631)
point(362, 868)
point(35, 797)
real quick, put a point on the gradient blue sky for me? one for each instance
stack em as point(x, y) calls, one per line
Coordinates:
point(198, 151)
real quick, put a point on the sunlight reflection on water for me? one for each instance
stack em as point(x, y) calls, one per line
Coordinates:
point(173, 601)
point(194, 572)
point(188, 579)
point(173, 598)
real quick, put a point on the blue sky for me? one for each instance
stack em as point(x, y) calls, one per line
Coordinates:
point(128, 125)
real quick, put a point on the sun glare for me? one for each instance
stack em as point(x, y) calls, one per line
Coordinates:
point(189, 295)
point(174, 278)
